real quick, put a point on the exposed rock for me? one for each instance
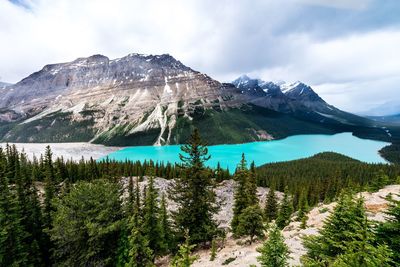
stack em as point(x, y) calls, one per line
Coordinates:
point(246, 255)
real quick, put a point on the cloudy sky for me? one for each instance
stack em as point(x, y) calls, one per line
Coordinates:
point(348, 50)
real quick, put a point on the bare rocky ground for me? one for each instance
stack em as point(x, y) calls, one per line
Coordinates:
point(73, 151)
point(246, 255)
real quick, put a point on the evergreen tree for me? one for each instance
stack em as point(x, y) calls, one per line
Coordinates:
point(381, 179)
point(166, 237)
point(13, 250)
point(303, 207)
point(388, 232)
point(285, 211)
point(194, 194)
point(184, 258)
point(251, 223)
point(271, 206)
point(151, 222)
point(345, 229)
point(31, 215)
point(86, 225)
point(274, 251)
point(213, 250)
point(363, 252)
point(49, 187)
point(251, 187)
point(241, 200)
point(140, 254)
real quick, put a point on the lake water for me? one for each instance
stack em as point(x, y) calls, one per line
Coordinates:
point(294, 147)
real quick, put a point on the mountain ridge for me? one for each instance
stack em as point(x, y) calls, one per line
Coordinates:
point(156, 99)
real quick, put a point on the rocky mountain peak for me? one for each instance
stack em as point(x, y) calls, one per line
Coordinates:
point(302, 91)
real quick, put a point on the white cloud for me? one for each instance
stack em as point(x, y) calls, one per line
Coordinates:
point(346, 4)
point(277, 40)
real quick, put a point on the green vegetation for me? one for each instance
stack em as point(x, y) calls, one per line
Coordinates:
point(346, 239)
point(86, 232)
point(193, 192)
point(389, 232)
point(274, 251)
point(85, 216)
point(321, 178)
point(391, 153)
point(55, 127)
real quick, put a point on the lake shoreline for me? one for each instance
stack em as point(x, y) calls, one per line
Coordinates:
point(73, 150)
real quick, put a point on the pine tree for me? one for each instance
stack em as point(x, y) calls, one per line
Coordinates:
point(285, 211)
point(49, 187)
point(151, 225)
point(86, 225)
point(303, 207)
point(184, 258)
point(31, 215)
point(194, 194)
point(388, 232)
point(140, 254)
point(213, 250)
point(345, 226)
point(251, 187)
point(271, 206)
point(241, 200)
point(363, 252)
point(166, 237)
point(274, 251)
point(380, 180)
point(13, 251)
point(251, 223)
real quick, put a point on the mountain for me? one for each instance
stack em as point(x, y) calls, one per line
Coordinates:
point(4, 85)
point(388, 108)
point(155, 99)
point(390, 119)
point(297, 99)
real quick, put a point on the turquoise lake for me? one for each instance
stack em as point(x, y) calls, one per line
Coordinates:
point(291, 148)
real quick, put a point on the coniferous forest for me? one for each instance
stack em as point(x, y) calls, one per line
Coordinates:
point(56, 212)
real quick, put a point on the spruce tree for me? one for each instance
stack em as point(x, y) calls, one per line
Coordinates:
point(31, 215)
point(166, 237)
point(86, 225)
point(303, 207)
point(49, 187)
point(151, 222)
point(363, 251)
point(140, 254)
point(213, 253)
point(241, 200)
point(194, 194)
point(13, 250)
point(184, 256)
point(344, 230)
point(274, 251)
point(285, 211)
point(388, 232)
point(271, 206)
point(251, 223)
point(251, 188)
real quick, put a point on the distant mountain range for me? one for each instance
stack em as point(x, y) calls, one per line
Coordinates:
point(155, 99)
point(4, 85)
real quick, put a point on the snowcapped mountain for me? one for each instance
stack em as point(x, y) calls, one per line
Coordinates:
point(295, 98)
point(155, 99)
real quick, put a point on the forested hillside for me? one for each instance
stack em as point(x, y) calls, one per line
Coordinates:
point(57, 213)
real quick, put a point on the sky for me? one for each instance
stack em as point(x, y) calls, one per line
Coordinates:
point(347, 50)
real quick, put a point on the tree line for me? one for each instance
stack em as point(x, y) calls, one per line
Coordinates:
point(65, 213)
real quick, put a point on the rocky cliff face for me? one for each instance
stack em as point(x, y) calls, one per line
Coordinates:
point(146, 99)
point(133, 94)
